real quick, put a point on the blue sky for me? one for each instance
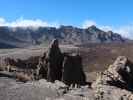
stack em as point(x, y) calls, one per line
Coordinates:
point(106, 14)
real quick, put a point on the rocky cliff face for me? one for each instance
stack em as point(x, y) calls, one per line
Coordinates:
point(22, 37)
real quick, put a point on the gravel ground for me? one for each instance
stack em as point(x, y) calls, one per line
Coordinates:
point(40, 90)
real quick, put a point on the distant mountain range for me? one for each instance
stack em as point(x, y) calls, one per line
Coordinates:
point(28, 36)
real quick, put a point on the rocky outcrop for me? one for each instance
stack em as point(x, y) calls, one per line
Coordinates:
point(42, 69)
point(72, 70)
point(22, 70)
point(119, 74)
point(116, 82)
point(61, 66)
point(54, 59)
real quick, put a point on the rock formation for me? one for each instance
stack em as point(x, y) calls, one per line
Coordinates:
point(54, 58)
point(72, 70)
point(52, 65)
point(61, 66)
point(116, 82)
point(42, 69)
point(119, 74)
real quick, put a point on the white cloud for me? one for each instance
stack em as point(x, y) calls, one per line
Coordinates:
point(2, 21)
point(21, 22)
point(105, 28)
point(124, 30)
point(88, 23)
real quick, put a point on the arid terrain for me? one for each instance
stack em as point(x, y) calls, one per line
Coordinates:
point(100, 67)
point(96, 57)
point(66, 50)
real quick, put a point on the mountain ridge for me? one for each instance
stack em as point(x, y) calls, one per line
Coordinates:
point(27, 36)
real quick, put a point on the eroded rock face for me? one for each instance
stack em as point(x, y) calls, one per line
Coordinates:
point(54, 58)
point(72, 70)
point(116, 82)
point(62, 66)
point(42, 68)
point(120, 73)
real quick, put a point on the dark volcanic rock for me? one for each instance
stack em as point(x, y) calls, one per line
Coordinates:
point(73, 70)
point(55, 59)
point(61, 66)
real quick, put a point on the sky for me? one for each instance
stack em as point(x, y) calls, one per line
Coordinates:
point(115, 15)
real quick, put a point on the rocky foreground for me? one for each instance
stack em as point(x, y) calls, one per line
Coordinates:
point(115, 83)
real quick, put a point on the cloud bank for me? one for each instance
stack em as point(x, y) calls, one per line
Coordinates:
point(126, 30)
point(88, 23)
point(21, 22)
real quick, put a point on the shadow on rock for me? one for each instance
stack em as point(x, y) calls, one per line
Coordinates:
point(62, 66)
